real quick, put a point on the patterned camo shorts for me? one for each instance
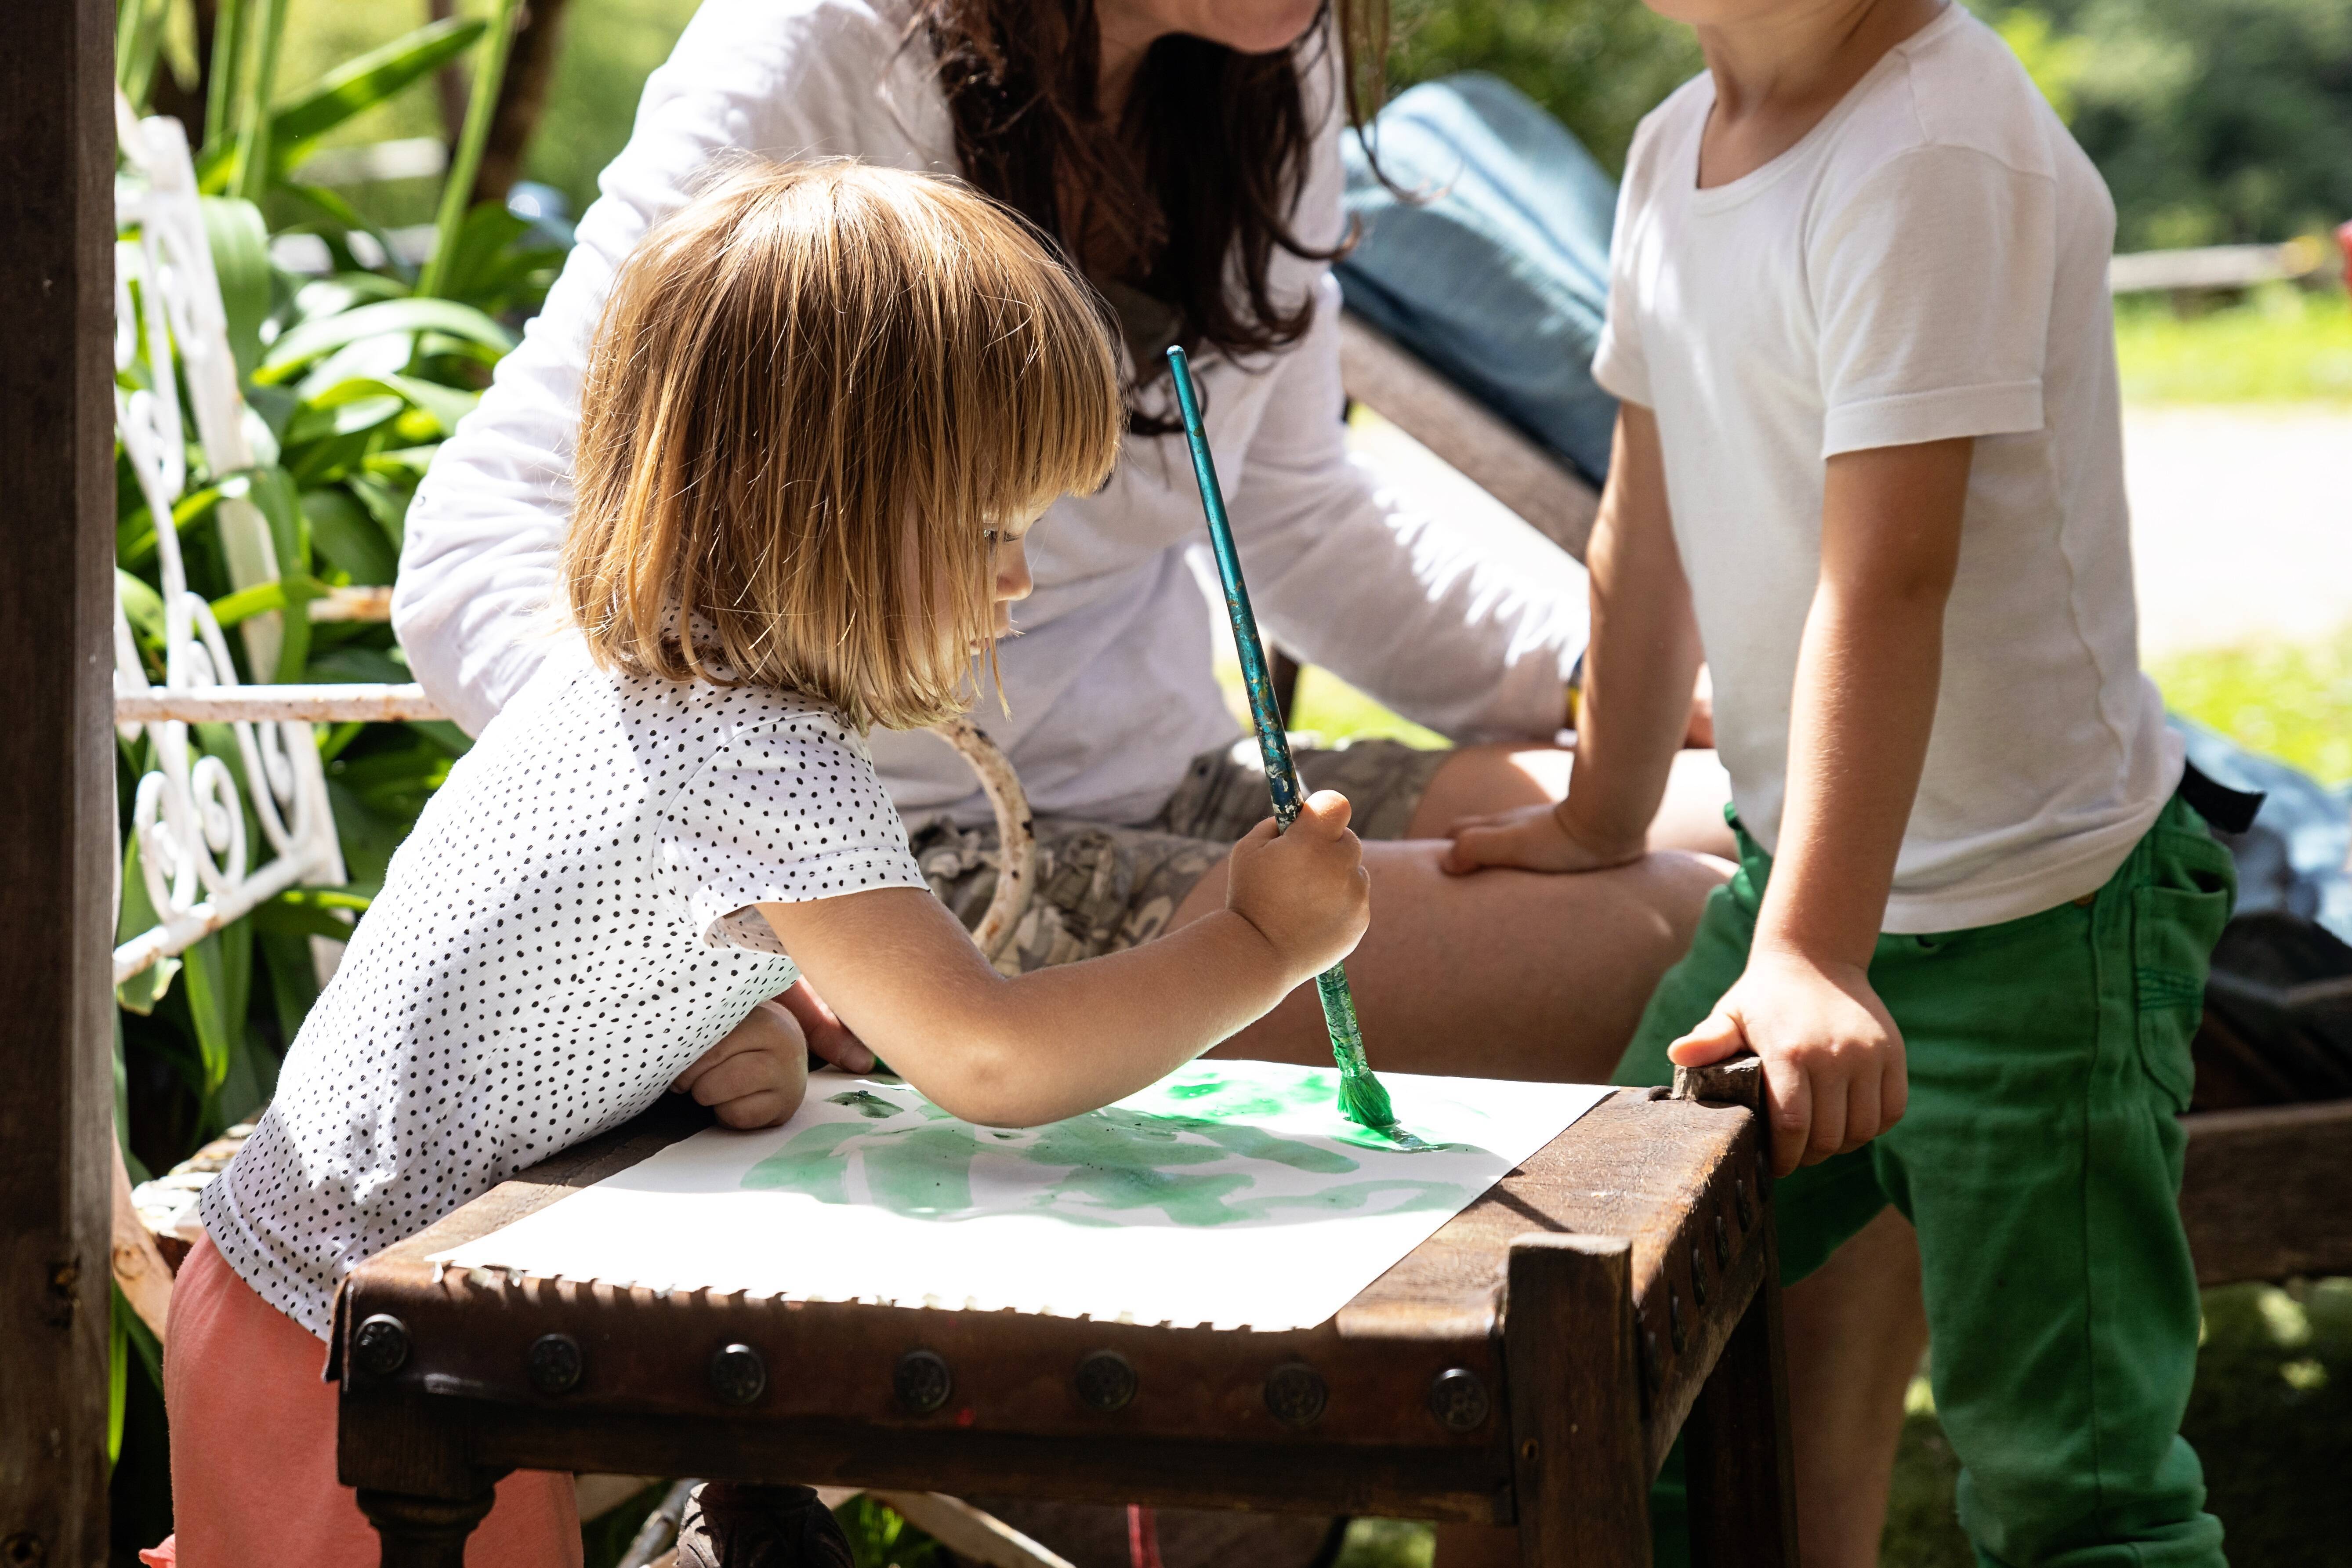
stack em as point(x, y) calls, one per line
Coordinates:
point(1101, 886)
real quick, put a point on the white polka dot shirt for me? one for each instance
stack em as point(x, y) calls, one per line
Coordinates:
point(568, 928)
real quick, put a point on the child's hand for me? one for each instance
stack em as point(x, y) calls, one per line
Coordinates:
point(1833, 1072)
point(1306, 891)
point(1532, 837)
point(757, 1076)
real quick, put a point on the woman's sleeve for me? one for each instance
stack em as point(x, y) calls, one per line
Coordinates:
point(474, 606)
point(1403, 606)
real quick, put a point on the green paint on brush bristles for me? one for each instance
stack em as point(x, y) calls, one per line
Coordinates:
point(1366, 1101)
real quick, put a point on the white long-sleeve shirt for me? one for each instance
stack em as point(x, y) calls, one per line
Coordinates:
point(1111, 682)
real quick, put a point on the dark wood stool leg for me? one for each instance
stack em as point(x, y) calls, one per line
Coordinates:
point(1743, 1501)
point(1583, 1479)
point(423, 1532)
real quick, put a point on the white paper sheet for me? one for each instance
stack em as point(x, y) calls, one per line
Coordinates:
point(1230, 1194)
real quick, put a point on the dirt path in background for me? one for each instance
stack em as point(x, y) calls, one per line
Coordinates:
point(2241, 519)
point(2242, 523)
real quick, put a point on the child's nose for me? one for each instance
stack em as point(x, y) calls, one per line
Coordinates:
point(1013, 579)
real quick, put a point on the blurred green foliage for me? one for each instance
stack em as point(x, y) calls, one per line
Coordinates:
point(1596, 65)
point(2213, 121)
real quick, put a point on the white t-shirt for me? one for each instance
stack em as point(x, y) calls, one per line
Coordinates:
point(1112, 682)
point(1929, 262)
point(568, 928)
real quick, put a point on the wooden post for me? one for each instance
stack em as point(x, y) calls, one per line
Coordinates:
point(1738, 1460)
point(422, 1531)
point(1577, 1454)
point(57, 772)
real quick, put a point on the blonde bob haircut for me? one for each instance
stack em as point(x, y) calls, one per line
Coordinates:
point(817, 392)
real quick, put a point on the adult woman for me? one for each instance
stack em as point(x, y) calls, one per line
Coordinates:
point(1185, 151)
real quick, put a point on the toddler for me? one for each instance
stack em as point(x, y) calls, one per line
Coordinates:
point(825, 406)
point(1869, 456)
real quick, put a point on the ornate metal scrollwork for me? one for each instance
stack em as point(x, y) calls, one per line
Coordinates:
point(188, 815)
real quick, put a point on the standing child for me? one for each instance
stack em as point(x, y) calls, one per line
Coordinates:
point(1870, 457)
point(825, 405)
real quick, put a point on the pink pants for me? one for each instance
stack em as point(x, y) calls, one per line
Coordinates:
point(253, 1448)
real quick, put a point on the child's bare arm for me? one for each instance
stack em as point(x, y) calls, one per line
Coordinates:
point(1010, 1053)
point(1868, 675)
point(1638, 673)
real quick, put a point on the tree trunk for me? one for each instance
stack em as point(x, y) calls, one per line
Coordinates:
point(522, 97)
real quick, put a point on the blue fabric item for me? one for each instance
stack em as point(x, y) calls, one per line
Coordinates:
point(546, 209)
point(1495, 270)
point(2291, 861)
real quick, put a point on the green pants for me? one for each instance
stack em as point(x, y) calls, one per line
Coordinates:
point(2040, 1160)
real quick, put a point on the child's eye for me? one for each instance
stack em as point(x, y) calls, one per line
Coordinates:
point(991, 535)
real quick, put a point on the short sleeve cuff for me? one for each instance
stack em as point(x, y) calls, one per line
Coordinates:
point(1621, 374)
point(1997, 408)
point(726, 891)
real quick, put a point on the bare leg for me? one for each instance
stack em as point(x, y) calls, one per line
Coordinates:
point(1855, 1330)
point(1504, 974)
point(1497, 778)
point(1500, 975)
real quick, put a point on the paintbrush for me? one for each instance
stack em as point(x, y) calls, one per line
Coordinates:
point(1361, 1094)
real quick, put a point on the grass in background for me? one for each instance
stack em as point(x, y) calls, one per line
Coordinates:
point(2289, 700)
point(2279, 345)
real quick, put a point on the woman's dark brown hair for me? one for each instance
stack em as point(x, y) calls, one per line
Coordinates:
point(1176, 210)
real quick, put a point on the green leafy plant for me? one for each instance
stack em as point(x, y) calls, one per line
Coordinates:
point(355, 377)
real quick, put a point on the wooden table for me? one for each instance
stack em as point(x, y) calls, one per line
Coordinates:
point(1529, 1364)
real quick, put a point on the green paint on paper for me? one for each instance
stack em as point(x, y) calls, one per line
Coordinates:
point(1394, 1140)
point(927, 1172)
point(1113, 1162)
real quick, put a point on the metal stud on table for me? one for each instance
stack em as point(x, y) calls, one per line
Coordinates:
point(380, 1345)
point(1458, 1399)
point(1105, 1381)
point(1296, 1394)
point(553, 1363)
point(922, 1381)
point(738, 1375)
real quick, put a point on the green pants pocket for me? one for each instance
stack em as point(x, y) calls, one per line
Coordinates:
point(2173, 933)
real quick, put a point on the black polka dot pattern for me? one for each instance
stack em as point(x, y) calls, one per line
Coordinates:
point(567, 929)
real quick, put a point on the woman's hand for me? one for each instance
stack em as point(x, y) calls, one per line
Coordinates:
point(1834, 1072)
point(757, 1076)
point(1306, 891)
point(1532, 838)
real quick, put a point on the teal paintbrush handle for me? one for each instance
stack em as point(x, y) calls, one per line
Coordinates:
point(1273, 743)
point(1281, 772)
